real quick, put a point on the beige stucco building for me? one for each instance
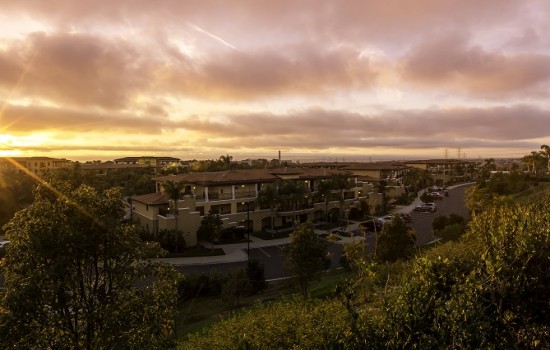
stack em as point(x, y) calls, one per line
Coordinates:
point(33, 164)
point(234, 195)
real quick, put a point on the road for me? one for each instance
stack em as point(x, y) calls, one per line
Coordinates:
point(272, 257)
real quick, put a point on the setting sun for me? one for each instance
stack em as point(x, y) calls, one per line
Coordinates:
point(20, 145)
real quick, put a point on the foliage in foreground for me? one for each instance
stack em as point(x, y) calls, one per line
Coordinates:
point(487, 291)
point(78, 277)
point(291, 324)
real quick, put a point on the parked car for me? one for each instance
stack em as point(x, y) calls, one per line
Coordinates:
point(426, 208)
point(371, 226)
point(406, 217)
point(342, 233)
point(403, 216)
point(436, 195)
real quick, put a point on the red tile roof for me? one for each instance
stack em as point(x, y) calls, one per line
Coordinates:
point(249, 175)
point(151, 198)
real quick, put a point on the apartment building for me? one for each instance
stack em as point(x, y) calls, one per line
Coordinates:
point(235, 196)
point(152, 161)
point(33, 164)
point(446, 171)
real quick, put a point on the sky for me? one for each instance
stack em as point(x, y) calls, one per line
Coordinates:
point(348, 80)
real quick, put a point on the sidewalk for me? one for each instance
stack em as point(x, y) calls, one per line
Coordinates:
point(237, 252)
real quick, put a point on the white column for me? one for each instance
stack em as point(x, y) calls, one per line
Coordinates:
point(206, 194)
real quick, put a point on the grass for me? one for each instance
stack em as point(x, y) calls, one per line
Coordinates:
point(197, 314)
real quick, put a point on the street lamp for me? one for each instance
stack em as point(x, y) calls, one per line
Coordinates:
point(248, 231)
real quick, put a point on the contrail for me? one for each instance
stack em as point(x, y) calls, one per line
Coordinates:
point(215, 37)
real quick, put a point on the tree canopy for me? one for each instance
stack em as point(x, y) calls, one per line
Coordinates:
point(78, 277)
point(305, 255)
point(395, 241)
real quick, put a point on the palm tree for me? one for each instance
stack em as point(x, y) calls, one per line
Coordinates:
point(293, 193)
point(340, 182)
point(173, 190)
point(527, 160)
point(546, 154)
point(226, 161)
point(324, 191)
point(270, 195)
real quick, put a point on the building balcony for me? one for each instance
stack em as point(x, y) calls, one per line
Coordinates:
point(306, 209)
point(249, 194)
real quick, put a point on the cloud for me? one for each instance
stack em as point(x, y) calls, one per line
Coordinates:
point(449, 62)
point(319, 129)
point(248, 76)
point(254, 74)
point(320, 19)
point(21, 120)
point(77, 69)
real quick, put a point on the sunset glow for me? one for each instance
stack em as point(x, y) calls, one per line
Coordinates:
point(316, 79)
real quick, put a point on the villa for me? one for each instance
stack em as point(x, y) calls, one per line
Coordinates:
point(236, 196)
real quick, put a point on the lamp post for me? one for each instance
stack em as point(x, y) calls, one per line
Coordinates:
point(248, 232)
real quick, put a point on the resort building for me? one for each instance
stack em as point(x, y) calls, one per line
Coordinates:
point(241, 198)
point(152, 161)
point(446, 171)
point(33, 164)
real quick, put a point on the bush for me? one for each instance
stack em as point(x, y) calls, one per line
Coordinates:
point(192, 286)
point(255, 273)
point(449, 227)
point(452, 232)
point(233, 234)
point(166, 239)
point(236, 285)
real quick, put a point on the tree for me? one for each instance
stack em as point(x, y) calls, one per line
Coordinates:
point(546, 154)
point(270, 196)
point(489, 291)
point(305, 255)
point(395, 241)
point(450, 227)
point(173, 190)
point(16, 192)
point(324, 191)
point(210, 228)
point(340, 182)
point(78, 277)
point(226, 161)
point(256, 275)
point(293, 194)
